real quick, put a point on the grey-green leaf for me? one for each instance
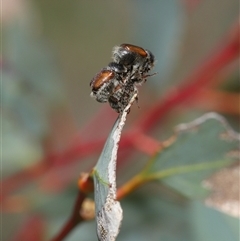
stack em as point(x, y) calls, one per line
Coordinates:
point(200, 148)
point(108, 210)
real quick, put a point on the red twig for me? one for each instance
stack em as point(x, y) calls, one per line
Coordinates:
point(204, 74)
point(65, 158)
point(32, 229)
point(74, 220)
point(192, 4)
point(23, 177)
point(215, 100)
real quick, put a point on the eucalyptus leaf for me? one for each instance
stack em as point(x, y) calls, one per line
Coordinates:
point(108, 210)
point(200, 148)
point(209, 224)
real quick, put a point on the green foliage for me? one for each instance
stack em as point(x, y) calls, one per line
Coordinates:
point(200, 148)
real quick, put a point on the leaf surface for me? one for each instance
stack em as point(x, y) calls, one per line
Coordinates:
point(108, 210)
point(200, 148)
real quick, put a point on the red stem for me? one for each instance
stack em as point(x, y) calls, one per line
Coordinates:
point(202, 76)
point(74, 220)
point(17, 180)
point(31, 229)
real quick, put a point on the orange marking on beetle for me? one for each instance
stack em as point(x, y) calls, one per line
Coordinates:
point(101, 78)
point(135, 49)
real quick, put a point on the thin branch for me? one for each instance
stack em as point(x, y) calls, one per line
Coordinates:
point(74, 220)
point(225, 54)
point(31, 229)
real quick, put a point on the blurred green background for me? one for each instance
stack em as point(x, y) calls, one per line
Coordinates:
point(50, 52)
